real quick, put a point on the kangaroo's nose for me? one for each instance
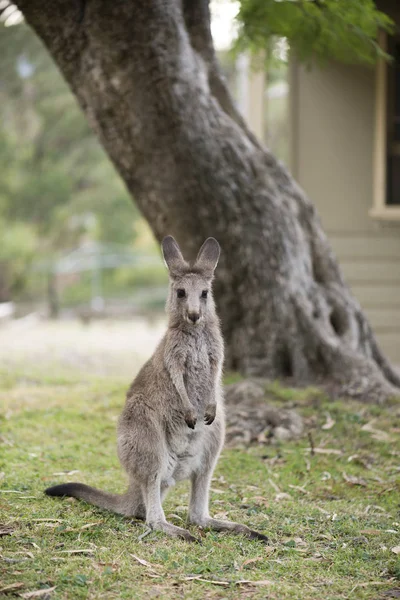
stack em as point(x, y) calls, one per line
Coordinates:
point(194, 317)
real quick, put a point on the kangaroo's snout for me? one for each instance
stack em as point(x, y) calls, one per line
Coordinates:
point(194, 317)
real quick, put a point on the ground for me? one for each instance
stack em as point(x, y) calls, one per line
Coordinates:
point(329, 502)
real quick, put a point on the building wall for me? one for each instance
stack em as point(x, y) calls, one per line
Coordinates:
point(332, 137)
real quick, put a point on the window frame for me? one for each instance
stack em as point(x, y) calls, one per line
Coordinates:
point(380, 209)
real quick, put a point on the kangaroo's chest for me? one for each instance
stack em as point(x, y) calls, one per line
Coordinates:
point(197, 373)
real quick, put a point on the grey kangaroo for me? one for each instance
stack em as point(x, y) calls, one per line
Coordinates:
point(172, 426)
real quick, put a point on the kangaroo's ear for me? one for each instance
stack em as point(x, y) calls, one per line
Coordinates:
point(172, 255)
point(208, 256)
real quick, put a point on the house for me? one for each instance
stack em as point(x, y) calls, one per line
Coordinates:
point(345, 152)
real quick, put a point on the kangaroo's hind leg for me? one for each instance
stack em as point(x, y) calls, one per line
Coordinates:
point(155, 516)
point(199, 502)
point(133, 503)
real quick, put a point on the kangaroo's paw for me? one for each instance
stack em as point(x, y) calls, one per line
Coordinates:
point(190, 417)
point(210, 412)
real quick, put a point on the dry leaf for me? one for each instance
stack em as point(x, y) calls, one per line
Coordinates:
point(324, 451)
point(273, 484)
point(38, 593)
point(87, 526)
point(269, 549)
point(78, 551)
point(9, 589)
point(226, 583)
point(367, 584)
point(221, 515)
point(251, 561)
point(377, 434)
point(260, 582)
point(282, 496)
point(6, 529)
point(300, 542)
point(213, 581)
point(354, 480)
point(329, 422)
point(260, 500)
point(91, 524)
point(370, 531)
point(47, 520)
point(396, 549)
point(299, 489)
point(144, 562)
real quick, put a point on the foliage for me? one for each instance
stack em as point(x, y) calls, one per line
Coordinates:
point(57, 184)
point(332, 517)
point(320, 29)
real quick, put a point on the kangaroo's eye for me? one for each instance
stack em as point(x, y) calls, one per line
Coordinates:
point(204, 293)
point(180, 293)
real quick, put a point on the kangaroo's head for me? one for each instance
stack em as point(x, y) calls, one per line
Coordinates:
point(190, 296)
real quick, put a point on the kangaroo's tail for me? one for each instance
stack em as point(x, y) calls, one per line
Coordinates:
point(114, 502)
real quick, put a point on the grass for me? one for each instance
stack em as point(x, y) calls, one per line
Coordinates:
point(332, 517)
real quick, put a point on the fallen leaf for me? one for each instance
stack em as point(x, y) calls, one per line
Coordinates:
point(78, 551)
point(47, 520)
point(300, 542)
point(6, 529)
point(396, 549)
point(282, 496)
point(260, 582)
point(9, 589)
point(221, 515)
point(377, 434)
point(324, 451)
point(273, 484)
point(251, 561)
point(144, 562)
point(325, 512)
point(38, 593)
point(329, 422)
point(367, 584)
point(370, 531)
point(299, 489)
point(87, 526)
point(212, 581)
point(354, 480)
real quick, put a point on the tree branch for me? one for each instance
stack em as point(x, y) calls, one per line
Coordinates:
point(197, 19)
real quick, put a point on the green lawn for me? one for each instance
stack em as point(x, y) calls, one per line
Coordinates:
point(332, 517)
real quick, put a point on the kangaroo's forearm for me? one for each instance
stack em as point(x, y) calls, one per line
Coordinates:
point(177, 380)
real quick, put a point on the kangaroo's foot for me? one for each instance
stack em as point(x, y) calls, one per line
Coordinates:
point(173, 531)
point(237, 528)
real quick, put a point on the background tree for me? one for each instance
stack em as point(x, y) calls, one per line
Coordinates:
point(145, 74)
point(57, 185)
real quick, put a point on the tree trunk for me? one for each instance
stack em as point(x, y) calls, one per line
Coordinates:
point(146, 76)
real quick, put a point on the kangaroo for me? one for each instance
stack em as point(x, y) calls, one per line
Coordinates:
point(172, 426)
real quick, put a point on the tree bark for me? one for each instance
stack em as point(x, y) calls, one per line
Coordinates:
point(146, 76)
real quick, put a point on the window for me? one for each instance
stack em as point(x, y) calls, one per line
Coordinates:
point(387, 135)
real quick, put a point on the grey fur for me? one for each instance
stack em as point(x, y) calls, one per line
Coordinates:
point(172, 426)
